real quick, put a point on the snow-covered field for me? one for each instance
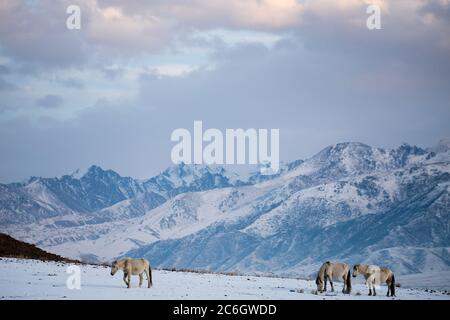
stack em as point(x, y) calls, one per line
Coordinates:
point(31, 279)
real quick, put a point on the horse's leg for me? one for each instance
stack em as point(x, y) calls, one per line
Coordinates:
point(369, 284)
point(373, 286)
point(129, 279)
point(331, 282)
point(389, 287)
point(325, 280)
point(125, 279)
point(141, 277)
point(148, 277)
point(344, 278)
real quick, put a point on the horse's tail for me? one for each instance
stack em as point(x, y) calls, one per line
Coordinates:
point(349, 282)
point(150, 275)
point(393, 285)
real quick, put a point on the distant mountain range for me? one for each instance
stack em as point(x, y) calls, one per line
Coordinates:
point(349, 202)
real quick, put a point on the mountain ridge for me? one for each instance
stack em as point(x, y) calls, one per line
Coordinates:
point(184, 216)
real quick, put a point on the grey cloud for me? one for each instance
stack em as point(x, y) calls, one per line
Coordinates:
point(315, 97)
point(198, 14)
point(38, 35)
point(40, 39)
point(5, 107)
point(50, 101)
point(131, 141)
point(7, 86)
point(35, 36)
point(329, 82)
point(438, 8)
point(73, 83)
point(112, 73)
point(4, 70)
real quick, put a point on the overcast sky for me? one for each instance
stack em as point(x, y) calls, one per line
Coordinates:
point(112, 93)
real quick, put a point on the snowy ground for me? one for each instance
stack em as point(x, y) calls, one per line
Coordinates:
point(431, 280)
point(31, 279)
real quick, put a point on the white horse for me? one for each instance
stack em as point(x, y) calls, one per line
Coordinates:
point(133, 267)
point(376, 275)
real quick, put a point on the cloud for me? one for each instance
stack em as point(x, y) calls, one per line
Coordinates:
point(35, 32)
point(127, 29)
point(72, 83)
point(249, 14)
point(173, 70)
point(113, 72)
point(37, 35)
point(438, 8)
point(111, 28)
point(50, 101)
point(7, 86)
point(310, 68)
point(4, 108)
point(4, 70)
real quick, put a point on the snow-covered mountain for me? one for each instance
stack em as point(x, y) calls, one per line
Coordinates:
point(350, 201)
point(96, 189)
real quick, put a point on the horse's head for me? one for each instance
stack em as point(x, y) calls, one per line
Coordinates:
point(355, 270)
point(319, 284)
point(114, 268)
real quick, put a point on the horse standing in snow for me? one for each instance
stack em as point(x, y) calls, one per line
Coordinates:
point(334, 271)
point(133, 267)
point(375, 275)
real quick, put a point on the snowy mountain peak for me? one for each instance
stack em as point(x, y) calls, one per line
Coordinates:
point(96, 171)
point(410, 150)
point(352, 158)
point(442, 146)
point(183, 170)
point(78, 174)
point(341, 151)
point(81, 172)
point(182, 177)
point(32, 179)
point(91, 172)
point(350, 144)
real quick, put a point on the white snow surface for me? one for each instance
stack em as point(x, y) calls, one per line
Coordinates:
point(32, 279)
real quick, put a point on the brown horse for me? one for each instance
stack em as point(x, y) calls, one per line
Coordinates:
point(334, 271)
